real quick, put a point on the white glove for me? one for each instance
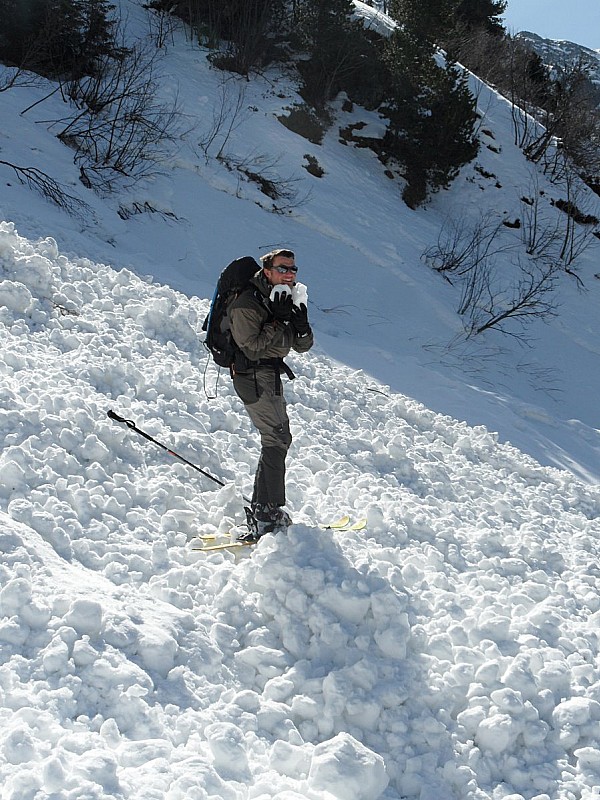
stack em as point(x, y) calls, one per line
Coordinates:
point(299, 294)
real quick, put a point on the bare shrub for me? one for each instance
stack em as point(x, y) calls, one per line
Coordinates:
point(162, 24)
point(240, 31)
point(560, 239)
point(122, 129)
point(261, 170)
point(459, 249)
point(500, 288)
point(49, 188)
point(13, 77)
point(487, 302)
point(228, 114)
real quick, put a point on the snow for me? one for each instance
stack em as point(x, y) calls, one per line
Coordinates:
point(450, 650)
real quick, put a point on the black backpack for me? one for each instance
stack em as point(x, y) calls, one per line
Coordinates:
point(232, 281)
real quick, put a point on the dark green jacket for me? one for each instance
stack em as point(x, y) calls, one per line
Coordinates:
point(255, 332)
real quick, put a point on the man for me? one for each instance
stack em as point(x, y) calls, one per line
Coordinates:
point(266, 324)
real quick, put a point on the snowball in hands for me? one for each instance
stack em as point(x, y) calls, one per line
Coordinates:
point(299, 294)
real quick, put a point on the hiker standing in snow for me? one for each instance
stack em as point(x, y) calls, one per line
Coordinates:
point(269, 319)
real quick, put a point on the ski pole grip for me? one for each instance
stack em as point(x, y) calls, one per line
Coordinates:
point(113, 415)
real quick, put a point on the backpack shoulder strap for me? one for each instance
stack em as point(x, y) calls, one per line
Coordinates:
point(251, 296)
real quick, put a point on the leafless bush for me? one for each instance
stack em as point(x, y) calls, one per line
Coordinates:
point(558, 239)
point(12, 77)
point(49, 188)
point(478, 50)
point(507, 64)
point(121, 128)
point(498, 285)
point(487, 302)
point(126, 212)
point(162, 25)
point(261, 170)
point(240, 31)
point(247, 40)
point(577, 231)
point(538, 235)
point(556, 123)
point(227, 115)
point(460, 249)
point(552, 113)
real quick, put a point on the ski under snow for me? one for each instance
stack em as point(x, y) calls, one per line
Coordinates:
point(342, 524)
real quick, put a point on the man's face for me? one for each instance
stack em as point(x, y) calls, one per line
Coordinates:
point(276, 277)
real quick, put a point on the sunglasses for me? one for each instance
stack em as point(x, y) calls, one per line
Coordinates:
point(283, 270)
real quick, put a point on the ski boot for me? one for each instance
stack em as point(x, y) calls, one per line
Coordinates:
point(262, 518)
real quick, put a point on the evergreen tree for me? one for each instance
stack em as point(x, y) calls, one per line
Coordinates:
point(243, 32)
point(20, 23)
point(98, 29)
point(431, 116)
point(58, 38)
point(334, 43)
point(427, 20)
point(484, 14)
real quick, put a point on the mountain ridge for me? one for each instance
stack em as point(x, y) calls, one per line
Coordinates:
point(559, 53)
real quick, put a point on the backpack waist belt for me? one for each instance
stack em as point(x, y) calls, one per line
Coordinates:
point(278, 364)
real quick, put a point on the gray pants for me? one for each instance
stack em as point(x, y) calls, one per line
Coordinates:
point(260, 391)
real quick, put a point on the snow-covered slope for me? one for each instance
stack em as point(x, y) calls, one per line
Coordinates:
point(450, 650)
point(374, 303)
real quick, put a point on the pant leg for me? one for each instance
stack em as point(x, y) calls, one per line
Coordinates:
point(268, 413)
point(269, 482)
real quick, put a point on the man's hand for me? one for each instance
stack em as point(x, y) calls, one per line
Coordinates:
point(300, 320)
point(281, 306)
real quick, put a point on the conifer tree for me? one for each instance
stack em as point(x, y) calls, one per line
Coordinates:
point(58, 38)
point(430, 109)
point(485, 14)
point(241, 31)
point(334, 44)
point(426, 20)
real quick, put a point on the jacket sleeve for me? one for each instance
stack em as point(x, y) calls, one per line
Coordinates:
point(257, 338)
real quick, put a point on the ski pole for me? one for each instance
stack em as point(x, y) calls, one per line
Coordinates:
point(131, 424)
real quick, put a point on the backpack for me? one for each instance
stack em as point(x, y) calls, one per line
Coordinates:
point(232, 281)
